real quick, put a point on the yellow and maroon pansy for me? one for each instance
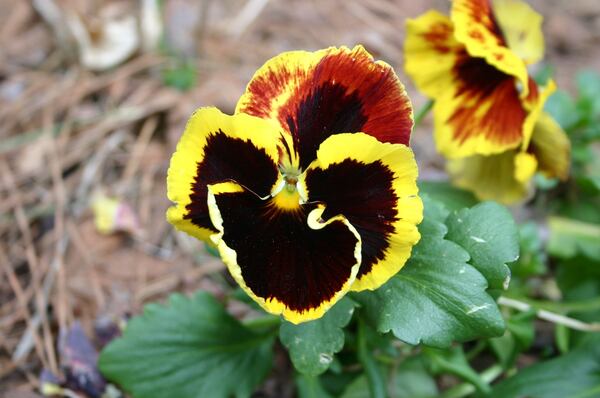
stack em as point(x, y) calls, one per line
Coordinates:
point(309, 189)
point(473, 64)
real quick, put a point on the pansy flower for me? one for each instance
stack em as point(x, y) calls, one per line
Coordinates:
point(309, 189)
point(488, 110)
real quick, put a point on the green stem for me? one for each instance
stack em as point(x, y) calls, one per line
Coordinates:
point(374, 376)
point(421, 113)
point(479, 347)
point(212, 250)
point(264, 322)
point(553, 317)
point(465, 373)
point(464, 389)
point(589, 305)
point(386, 359)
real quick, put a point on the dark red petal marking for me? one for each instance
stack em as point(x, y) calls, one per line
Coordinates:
point(327, 109)
point(345, 92)
point(264, 88)
point(439, 36)
point(349, 95)
point(482, 12)
point(534, 92)
point(280, 256)
point(226, 158)
point(480, 83)
point(363, 193)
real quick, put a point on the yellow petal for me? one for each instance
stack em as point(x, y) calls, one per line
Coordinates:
point(534, 104)
point(525, 166)
point(522, 28)
point(431, 52)
point(551, 147)
point(492, 177)
point(113, 215)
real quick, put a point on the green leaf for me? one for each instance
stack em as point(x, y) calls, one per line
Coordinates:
point(312, 344)
point(488, 232)
point(409, 380)
point(544, 183)
point(588, 83)
point(452, 197)
point(563, 109)
point(190, 348)
point(310, 387)
point(576, 374)
point(518, 337)
point(434, 216)
point(579, 281)
point(435, 299)
point(412, 380)
point(588, 87)
point(570, 237)
point(544, 73)
point(532, 260)
point(183, 75)
point(583, 209)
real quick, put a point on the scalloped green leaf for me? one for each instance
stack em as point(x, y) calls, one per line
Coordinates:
point(190, 348)
point(437, 298)
point(312, 344)
point(489, 234)
point(434, 215)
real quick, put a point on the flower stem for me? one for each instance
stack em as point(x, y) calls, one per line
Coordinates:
point(464, 389)
point(263, 322)
point(550, 316)
point(421, 113)
point(373, 372)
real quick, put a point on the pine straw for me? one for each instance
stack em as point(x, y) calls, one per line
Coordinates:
point(66, 133)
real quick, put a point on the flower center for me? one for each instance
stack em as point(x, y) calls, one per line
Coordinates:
point(288, 198)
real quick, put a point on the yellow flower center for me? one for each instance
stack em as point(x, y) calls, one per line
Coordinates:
point(288, 198)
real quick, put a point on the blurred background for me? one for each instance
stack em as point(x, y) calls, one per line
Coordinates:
point(93, 98)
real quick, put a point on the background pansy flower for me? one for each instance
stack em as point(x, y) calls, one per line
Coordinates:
point(472, 65)
point(488, 111)
point(309, 190)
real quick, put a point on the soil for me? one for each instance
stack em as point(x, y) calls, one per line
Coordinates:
point(69, 134)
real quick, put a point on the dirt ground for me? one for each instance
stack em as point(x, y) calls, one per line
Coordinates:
point(69, 135)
